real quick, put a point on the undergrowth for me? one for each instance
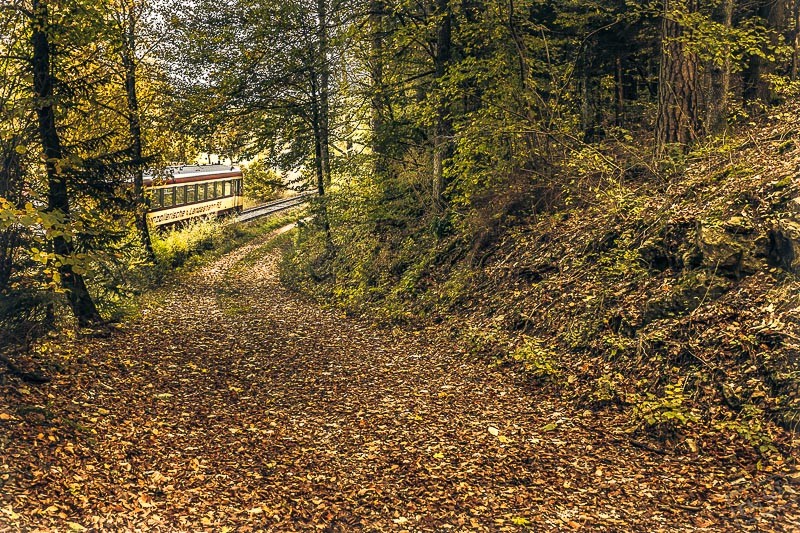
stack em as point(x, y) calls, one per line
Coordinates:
point(194, 244)
point(669, 293)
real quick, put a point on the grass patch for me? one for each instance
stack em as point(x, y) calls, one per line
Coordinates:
point(195, 244)
point(235, 310)
point(188, 248)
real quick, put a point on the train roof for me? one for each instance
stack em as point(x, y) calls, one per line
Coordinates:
point(189, 173)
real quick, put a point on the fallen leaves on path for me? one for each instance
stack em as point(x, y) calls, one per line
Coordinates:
point(234, 405)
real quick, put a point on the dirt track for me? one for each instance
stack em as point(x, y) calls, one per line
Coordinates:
point(234, 405)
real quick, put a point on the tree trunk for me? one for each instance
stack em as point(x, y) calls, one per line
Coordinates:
point(319, 162)
point(519, 45)
point(720, 74)
point(10, 189)
point(756, 87)
point(135, 128)
point(379, 166)
point(9, 241)
point(678, 119)
point(725, 95)
point(442, 143)
point(619, 93)
point(57, 197)
point(795, 39)
point(324, 90)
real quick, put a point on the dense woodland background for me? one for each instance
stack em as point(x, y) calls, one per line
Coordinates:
point(601, 191)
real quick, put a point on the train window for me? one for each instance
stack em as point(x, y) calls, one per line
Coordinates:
point(202, 192)
point(155, 199)
point(215, 186)
point(191, 193)
point(166, 197)
point(180, 195)
point(227, 188)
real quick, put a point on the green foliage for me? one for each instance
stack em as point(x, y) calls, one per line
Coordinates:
point(41, 227)
point(261, 182)
point(174, 246)
point(665, 414)
point(538, 358)
point(615, 346)
point(717, 43)
point(749, 424)
point(190, 244)
point(623, 261)
point(485, 341)
point(607, 389)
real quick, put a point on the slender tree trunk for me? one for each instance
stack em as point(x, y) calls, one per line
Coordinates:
point(590, 112)
point(10, 189)
point(725, 96)
point(619, 93)
point(324, 90)
point(9, 241)
point(519, 45)
point(586, 108)
point(57, 198)
point(135, 128)
point(795, 39)
point(678, 119)
point(720, 77)
point(442, 143)
point(319, 164)
point(379, 166)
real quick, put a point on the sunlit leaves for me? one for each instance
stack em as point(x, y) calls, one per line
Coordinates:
point(43, 226)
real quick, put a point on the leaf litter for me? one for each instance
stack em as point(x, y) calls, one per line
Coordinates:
point(290, 417)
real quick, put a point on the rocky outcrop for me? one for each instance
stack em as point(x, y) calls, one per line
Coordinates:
point(729, 249)
point(783, 248)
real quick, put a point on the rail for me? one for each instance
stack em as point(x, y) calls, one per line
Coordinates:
point(273, 207)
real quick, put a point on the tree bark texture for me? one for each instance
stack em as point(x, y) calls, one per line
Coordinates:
point(80, 300)
point(718, 104)
point(9, 242)
point(619, 92)
point(757, 89)
point(319, 162)
point(678, 118)
point(10, 189)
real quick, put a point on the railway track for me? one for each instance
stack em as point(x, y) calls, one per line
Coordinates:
point(273, 207)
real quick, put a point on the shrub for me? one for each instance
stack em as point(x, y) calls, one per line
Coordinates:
point(663, 415)
point(607, 389)
point(750, 426)
point(174, 246)
point(538, 359)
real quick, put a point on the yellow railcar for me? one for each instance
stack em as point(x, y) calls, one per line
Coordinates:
point(193, 191)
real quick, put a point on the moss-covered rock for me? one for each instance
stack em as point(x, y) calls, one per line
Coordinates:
point(689, 291)
point(739, 225)
point(728, 249)
point(783, 249)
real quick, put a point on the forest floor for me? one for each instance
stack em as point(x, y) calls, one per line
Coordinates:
point(232, 404)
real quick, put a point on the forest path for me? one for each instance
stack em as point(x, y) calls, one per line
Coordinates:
point(234, 405)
